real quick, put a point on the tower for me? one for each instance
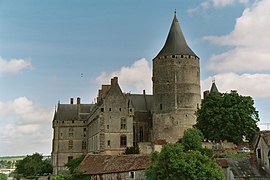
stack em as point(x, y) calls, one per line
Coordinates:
point(176, 87)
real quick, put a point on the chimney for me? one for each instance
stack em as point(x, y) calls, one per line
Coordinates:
point(205, 93)
point(114, 81)
point(78, 105)
point(71, 100)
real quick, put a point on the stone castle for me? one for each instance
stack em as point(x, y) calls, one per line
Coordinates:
point(119, 120)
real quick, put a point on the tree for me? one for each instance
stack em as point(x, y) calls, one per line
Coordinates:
point(33, 166)
point(3, 176)
point(192, 139)
point(73, 167)
point(227, 116)
point(174, 163)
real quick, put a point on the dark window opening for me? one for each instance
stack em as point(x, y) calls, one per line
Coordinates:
point(123, 123)
point(83, 145)
point(70, 158)
point(160, 106)
point(63, 121)
point(141, 134)
point(132, 174)
point(123, 141)
point(259, 153)
point(108, 126)
point(102, 109)
point(120, 109)
point(130, 110)
point(84, 129)
point(57, 122)
point(72, 121)
point(182, 56)
point(110, 109)
point(109, 143)
point(173, 56)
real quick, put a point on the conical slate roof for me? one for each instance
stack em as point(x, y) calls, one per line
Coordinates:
point(175, 43)
point(214, 87)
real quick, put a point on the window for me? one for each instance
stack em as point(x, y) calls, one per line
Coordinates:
point(83, 145)
point(108, 126)
point(70, 158)
point(110, 109)
point(120, 109)
point(132, 174)
point(141, 134)
point(123, 141)
point(123, 123)
point(160, 106)
point(259, 153)
point(102, 109)
point(84, 129)
point(72, 121)
point(70, 145)
point(70, 132)
point(109, 143)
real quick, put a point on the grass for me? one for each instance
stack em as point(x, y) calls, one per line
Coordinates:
point(238, 155)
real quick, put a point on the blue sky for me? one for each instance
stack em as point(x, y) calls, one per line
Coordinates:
point(51, 51)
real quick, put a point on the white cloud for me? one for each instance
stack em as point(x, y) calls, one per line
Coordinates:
point(25, 127)
point(217, 4)
point(254, 85)
point(250, 40)
point(13, 66)
point(133, 78)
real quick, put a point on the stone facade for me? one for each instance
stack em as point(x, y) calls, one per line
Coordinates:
point(119, 120)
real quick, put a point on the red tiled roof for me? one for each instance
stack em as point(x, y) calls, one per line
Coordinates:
point(104, 164)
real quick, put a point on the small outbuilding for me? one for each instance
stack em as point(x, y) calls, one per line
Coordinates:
point(119, 167)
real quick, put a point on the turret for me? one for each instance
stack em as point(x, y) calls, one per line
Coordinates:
point(176, 86)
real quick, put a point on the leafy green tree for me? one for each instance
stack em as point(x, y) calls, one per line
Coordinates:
point(227, 116)
point(173, 163)
point(33, 166)
point(3, 176)
point(74, 163)
point(192, 139)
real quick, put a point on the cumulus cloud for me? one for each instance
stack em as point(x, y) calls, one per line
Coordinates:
point(254, 85)
point(25, 127)
point(217, 4)
point(250, 41)
point(13, 66)
point(134, 78)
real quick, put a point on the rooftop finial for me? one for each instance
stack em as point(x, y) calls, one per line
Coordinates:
point(174, 12)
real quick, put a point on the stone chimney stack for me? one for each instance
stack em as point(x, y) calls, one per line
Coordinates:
point(114, 81)
point(78, 105)
point(71, 100)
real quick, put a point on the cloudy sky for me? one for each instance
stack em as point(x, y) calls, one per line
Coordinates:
point(51, 51)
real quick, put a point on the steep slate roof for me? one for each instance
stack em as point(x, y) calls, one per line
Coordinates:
point(140, 102)
point(176, 43)
point(69, 111)
point(105, 164)
point(213, 87)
